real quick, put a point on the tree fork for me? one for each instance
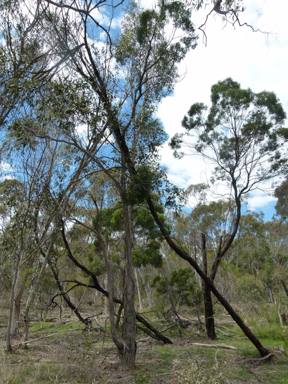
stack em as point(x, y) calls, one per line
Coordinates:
point(65, 295)
point(97, 286)
point(180, 252)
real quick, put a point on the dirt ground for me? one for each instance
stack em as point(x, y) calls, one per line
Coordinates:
point(68, 354)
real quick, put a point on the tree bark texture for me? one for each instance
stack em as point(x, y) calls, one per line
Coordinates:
point(207, 297)
point(129, 321)
point(209, 312)
point(138, 290)
point(35, 286)
point(146, 287)
point(8, 336)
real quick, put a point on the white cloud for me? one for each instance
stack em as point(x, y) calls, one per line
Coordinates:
point(5, 167)
point(254, 60)
point(259, 200)
point(103, 16)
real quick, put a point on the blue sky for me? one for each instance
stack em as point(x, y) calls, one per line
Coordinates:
point(255, 60)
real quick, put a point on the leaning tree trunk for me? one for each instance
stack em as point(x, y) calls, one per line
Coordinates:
point(106, 299)
point(65, 295)
point(185, 256)
point(129, 321)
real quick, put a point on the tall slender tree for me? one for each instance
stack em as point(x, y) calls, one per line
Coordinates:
point(239, 136)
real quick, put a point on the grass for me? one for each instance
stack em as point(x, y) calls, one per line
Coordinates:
point(73, 356)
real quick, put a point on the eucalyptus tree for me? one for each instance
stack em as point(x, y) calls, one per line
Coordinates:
point(47, 187)
point(124, 86)
point(21, 53)
point(121, 116)
point(252, 244)
point(25, 197)
point(239, 136)
point(125, 82)
point(212, 221)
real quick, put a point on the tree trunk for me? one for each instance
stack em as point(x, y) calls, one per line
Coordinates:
point(207, 297)
point(117, 341)
point(35, 286)
point(8, 336)
point(138, 290)
point(284, 286)
point(129, 321)
point(185, 256)
point(146, 287)
point(106, 300)
point(209, 312)
point(120, 309)
point(19, 290)
point(15, 318)
point(157, 335)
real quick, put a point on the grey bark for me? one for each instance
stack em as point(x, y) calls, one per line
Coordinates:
point(8, 336)
point(129, 321)
point(146, 287)
point(138, 290)
point(35, 286)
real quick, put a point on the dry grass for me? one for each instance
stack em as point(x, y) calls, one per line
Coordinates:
point(72, 355)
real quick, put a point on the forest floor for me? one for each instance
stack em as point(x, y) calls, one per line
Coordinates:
point(65, 353)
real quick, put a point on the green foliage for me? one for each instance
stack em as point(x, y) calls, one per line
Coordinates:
point(147, 251)
point(11, 192)
point(146, 25)
point(146, 248)
point(18, 131)
point(214, 217)
point(140, 185)
point(282, 200)
point(150, 254)
point(249, 290)
point(96, 265)
point(239, 135)
point(144, 44)
point(181, 285)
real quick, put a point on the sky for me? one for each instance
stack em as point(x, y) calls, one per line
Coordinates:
point(255, 60)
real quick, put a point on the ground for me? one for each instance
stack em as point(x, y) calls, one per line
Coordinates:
point(62, 352)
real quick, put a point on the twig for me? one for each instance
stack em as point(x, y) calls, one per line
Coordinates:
point(215, 346)
point(230, 330)
point(216, 361)
point(44, 337)
point(143, 340)
point(257, 360)
point(223, 333)
point(166, 329)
